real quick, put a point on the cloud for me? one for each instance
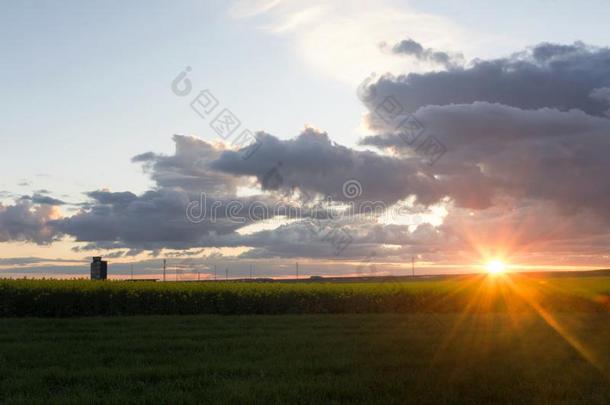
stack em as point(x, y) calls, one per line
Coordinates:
point(193, 205)
point(527, 140)
point(315, 164)
point(524, 232)
point(414, 49)
point(499, 157)
point(602, 94)
point(27, 222)
point(38, 198)
point(502, 151)
point(544, 76)
point(306, 239)
point(189, 167)
point(153, 220)
point(341, 39)
point(25, 261)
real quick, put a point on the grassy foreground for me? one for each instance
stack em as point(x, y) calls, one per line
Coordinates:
point(473, 339)
point(307, 359)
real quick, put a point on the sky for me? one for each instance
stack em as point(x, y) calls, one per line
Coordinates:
point(504, 156)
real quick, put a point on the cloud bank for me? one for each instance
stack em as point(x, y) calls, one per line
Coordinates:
point(525, 174)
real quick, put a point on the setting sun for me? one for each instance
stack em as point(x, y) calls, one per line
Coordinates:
point(495, 267)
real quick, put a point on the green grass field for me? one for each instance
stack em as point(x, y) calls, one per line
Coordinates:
point(304, 359)
point(466, 340)
point(61, 298)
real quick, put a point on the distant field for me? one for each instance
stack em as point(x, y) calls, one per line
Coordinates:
point(307, 359)
point(514, 293)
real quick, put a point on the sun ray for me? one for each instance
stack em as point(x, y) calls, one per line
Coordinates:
point(527, 295)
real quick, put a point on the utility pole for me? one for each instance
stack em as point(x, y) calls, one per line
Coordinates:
point(198, 275)
point(131, 271)
point(164, 264)
point(226, 273)
point(297, 268)
point(250, 272)
point(214, 272)
point(413, 265)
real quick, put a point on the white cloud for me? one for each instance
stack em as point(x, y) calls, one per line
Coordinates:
point(341, 39)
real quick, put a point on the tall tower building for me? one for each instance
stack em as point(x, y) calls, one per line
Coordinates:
point(99, 269)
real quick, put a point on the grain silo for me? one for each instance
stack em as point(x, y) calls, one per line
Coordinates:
point(99, 269)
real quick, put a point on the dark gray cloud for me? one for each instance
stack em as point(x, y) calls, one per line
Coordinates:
point(527, 138)
point(304, 239)
point(157, 218)
point(495, 150)
point(315, 164)
point(25, 261)
point(293, 240)
point(603, 95)
point(193, 205)
point(27, 222)
point(497, 153)
point(189, 168)
point(38, 198)
point(111, 246)
point(547, 75)
point(153, 220)
point(412, 48)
